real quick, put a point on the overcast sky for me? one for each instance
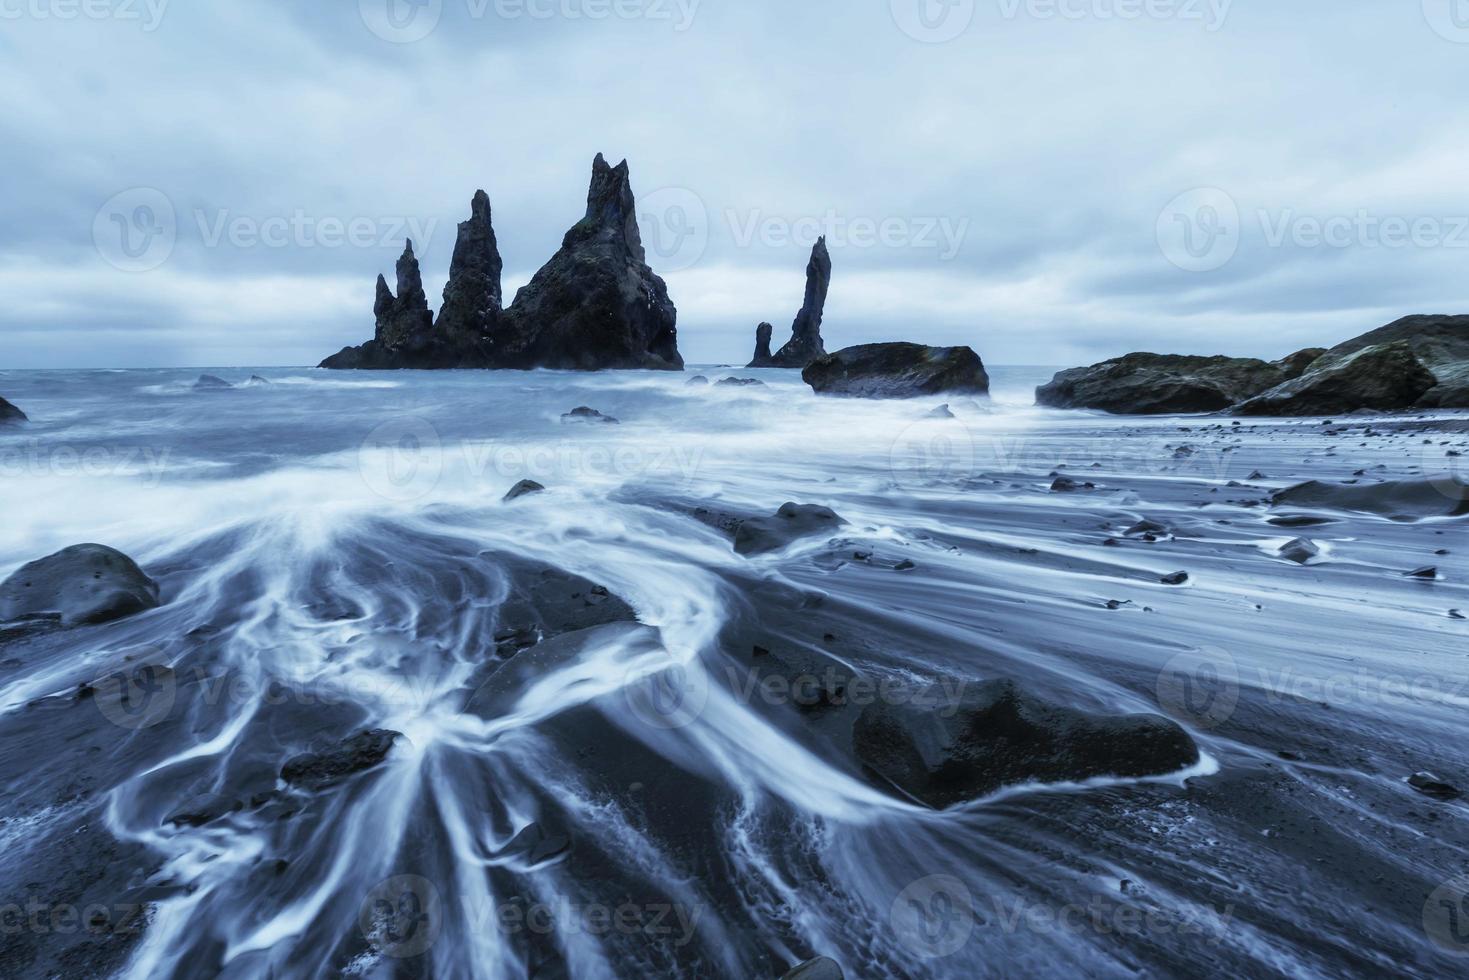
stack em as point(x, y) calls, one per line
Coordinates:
point(1049, 181)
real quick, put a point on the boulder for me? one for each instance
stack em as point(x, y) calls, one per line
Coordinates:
point(1381, 378)
point(759, 535)
point(944, 748)
point(523, 488)
point(1300, 551)
point(696, 381)
point(86, 583)
point(805, 344)
point(585, 413)
point(897, 370)
point(318, 770)
point(596, 305)
point(208, 382)
point(1415, 362)
point(472, 297)
point(1398, 500)
point(739, 383)
point(10, 415)
point(821, 968)
point(1160, 384)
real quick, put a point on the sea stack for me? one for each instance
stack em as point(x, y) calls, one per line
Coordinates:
point(404, 318)
point(763, 333)
point(472, 298)
point(805, 344)
point(596, 305)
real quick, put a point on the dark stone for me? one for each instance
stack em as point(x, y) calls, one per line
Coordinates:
point(596, 305)
point(1298, 363)
point(805, 344)
point(1145, 527)
point(1427, 572)
point(1300, 551)
point(86, 583)
point(943, 748)
point(537, 846)
point(1160, 384)
point(897, 370)
point(472, 297)
point(208, 382)
point(9, 414)
point(522, 488)
point(586, 414)
point(1399, 500)
point(203, 809)
point(318, 770)
point(942, 412)
point(740, 383)
point(758, 535)
point(820, 968)
point(1430, 785)
point(1175, 578)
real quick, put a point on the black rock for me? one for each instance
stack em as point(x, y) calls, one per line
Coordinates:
point(1145, 527)
point(1300, 362)
point(1400, 500)
point(318, 770)
point(805, 344)
point(256, 381)
point(740, 383)
point(944, 749)
point(1430, 785)
point(759, 535)
point(208, 382)
point(942, 412)
point(472, 297)
point(1456, 614)
point(1175, 578)
point(522, 488)
point(820, 968)
point(9, 414)
point(537, 846)
point(86, 583)
point(586, 414)
point(404, 320)
point(1427, 572)
point(897, 370)
point(596, 305)
point(1300, 551)
point(1160, 384)
point(203, 809)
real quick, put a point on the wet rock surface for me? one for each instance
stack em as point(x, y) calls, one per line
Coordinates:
point(760, 535)
point(1160, 384)
point(86, 583)
point(897, 370)
point(9, 414)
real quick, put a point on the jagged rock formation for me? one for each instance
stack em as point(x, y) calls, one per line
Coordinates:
point(10, 415)
point(897, 371)
point(1160, 384)
point(1415, 362)
point(596, 305)
point(763, 357)
point(805, 344)
point(1300, 362)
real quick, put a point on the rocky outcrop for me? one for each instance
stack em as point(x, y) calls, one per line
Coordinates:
point(1398, 500)
point(898, 371)
point(1415, 362)
point(86, 583)
point(10, 415)
point(805, 344)
point(944, 748)
point(760, 535)
point(1160, 384)
point(596, 305)
point(472, 298)
point(763, 357)
point(319, 770)
point(1298, 363)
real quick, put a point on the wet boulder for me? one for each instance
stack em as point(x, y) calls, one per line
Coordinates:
point(760, 535)
point(1398, 500)
point(585, 413)
point(1381, 378)
point(208, 382)
point(361, 752)
point(945, 745)
point(9, 414)
point(523, 488)
point(86, 583)
point(1160, 384)
point(897, 370)
point(1300, 551)
point(821, 968)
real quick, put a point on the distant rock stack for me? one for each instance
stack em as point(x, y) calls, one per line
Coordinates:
point(9, 414)
point(596, 304)
point(805, 344)
point(405, 318)
point(763, 358)
point(472, 298)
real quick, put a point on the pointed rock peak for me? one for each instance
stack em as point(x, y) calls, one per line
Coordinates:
point(480, 206)
point(610, 198)
point(385, 295)
point(762, 357)
point(408, 248)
